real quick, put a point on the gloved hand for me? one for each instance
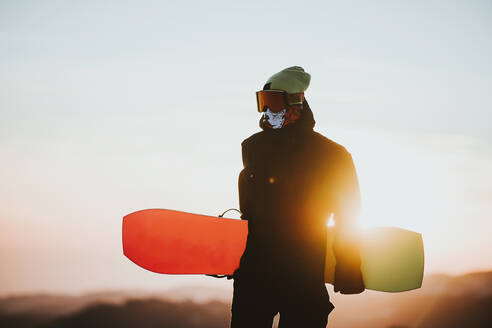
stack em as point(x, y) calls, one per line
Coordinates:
point(348, 275)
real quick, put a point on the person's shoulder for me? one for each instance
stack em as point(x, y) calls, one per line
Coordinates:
point(253, 139)
point(329, 144)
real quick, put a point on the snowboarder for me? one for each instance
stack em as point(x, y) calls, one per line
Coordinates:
point(293, 180)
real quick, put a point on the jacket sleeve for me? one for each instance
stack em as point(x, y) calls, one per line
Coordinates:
point(243, 195)
point(348, 276)
point(347, 194)
point(242, 185)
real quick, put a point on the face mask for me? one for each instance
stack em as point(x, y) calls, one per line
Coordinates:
point(276, 120)
point(281, 119)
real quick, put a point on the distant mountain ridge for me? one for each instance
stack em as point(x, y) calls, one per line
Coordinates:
point(443, 301)
point(60, 304)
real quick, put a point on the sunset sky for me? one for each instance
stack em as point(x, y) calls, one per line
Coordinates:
point(108, 107)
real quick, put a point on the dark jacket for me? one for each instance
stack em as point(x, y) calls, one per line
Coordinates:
point(293, 180)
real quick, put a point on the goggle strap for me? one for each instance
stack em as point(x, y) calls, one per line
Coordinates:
point(295, 98)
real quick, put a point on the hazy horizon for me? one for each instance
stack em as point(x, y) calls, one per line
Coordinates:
point(108, 108)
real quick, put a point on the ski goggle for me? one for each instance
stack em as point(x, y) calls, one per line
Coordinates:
point(276, 100)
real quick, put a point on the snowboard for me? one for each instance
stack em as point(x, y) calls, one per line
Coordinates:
point(174, 242)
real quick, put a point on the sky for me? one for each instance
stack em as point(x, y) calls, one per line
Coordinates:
point(111, 107)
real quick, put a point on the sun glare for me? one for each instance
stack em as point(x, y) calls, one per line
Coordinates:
point(331, 221)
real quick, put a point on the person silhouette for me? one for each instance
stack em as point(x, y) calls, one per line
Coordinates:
point(293, 180)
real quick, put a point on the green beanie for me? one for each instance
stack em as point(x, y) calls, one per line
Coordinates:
point(291, 80)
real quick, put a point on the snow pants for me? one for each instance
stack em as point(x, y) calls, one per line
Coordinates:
point(256, 302)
